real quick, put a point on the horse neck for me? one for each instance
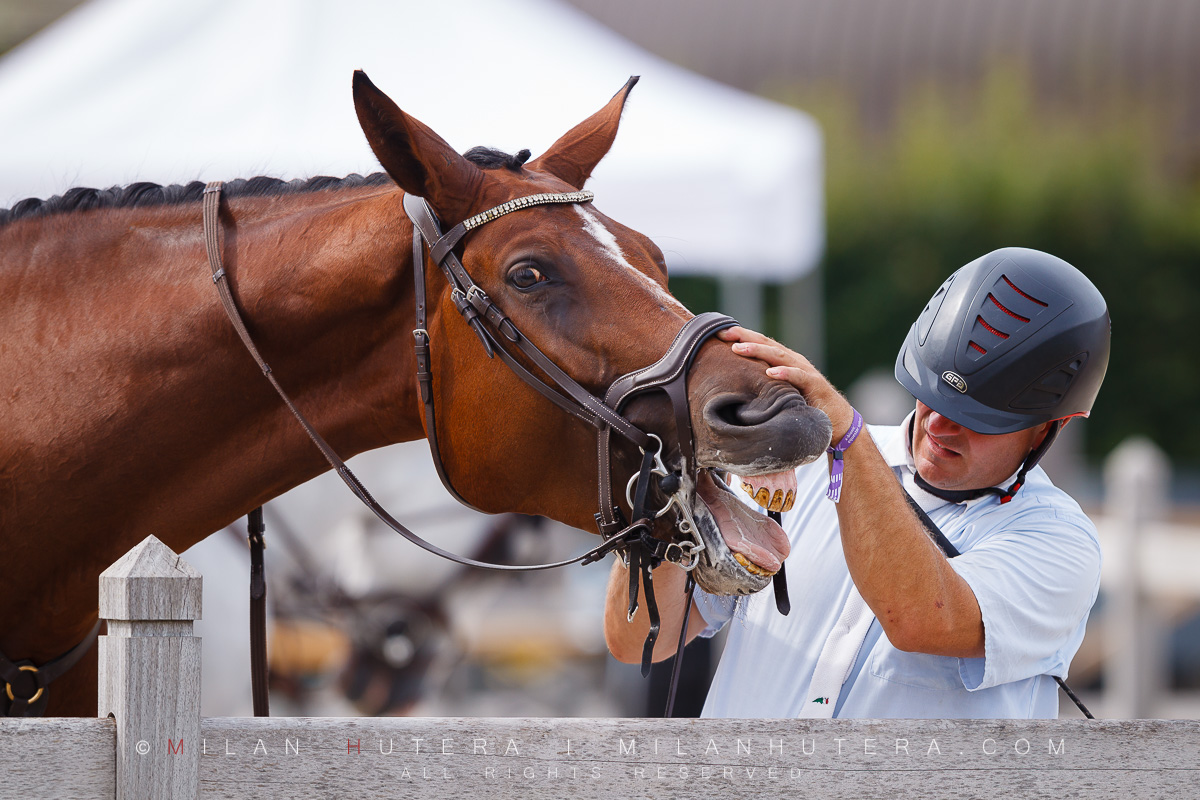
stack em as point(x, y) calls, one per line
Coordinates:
point(147, 415)
point(325, 282)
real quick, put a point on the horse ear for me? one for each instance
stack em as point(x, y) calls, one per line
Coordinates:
point(573, 157)
point(419, 160)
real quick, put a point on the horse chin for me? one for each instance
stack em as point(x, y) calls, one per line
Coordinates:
point(722, 570)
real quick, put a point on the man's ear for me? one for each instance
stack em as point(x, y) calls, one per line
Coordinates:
point(573, 157)
point(419, 160)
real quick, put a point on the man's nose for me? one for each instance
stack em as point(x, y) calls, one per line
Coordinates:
point(942, 426)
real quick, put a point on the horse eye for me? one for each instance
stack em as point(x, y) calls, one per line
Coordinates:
point(526, 277)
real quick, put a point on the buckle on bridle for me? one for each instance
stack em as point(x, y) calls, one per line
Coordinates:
point(688, 554)
point(8, 686)
point(659, 469)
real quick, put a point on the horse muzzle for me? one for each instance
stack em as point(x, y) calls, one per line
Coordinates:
point(761, 439)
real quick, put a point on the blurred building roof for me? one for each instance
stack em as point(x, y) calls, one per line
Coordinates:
point(1079, 52)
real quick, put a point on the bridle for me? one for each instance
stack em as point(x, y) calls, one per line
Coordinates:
point(668, 374)
point(634, 541)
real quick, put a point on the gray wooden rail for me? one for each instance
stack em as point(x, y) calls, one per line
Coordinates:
point(152, 743)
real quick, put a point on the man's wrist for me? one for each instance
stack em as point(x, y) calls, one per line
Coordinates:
point(845, 414)
point(837, 451)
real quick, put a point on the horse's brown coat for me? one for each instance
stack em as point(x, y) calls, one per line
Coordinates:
point(130, 407)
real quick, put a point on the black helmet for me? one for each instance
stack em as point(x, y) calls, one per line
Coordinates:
point(1013, 339)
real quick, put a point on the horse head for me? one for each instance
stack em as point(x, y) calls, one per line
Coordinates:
point(592, 295)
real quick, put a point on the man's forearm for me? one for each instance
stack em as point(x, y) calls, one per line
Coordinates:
point(626, 639)
point(922, 604)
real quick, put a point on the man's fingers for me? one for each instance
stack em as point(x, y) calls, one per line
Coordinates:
point(796, 376)
point(788, 365)
point(771, 352)
point(739, 334)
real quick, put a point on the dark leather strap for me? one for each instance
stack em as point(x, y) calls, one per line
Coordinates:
point(587, 406)
point(255, 531)
point(25, 683)
point(677, 664)
point(668, 374)
point(783, 602)
point(935, 533)
point(425, 370)
point(673, 364)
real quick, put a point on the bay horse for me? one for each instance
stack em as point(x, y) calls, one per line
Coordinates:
point(130, 407)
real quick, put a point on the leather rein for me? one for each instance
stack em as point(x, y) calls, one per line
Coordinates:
point(639, 549)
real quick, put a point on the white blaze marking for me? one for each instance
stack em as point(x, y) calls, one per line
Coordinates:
point(593, 225)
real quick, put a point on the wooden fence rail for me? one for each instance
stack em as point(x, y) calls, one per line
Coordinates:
point(154, 744)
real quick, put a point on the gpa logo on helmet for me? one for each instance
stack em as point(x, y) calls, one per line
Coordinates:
point(955, 380)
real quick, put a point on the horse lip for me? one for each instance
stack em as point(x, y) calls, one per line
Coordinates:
point(719, 572)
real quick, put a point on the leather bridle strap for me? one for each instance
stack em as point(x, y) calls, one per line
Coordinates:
point(668, 374)
point(24, 693)
point(677, 663)
point(473, 302)
point(259, 689)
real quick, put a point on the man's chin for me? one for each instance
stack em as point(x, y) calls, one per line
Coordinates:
point(936, 475)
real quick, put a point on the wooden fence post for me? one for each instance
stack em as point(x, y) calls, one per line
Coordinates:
point(150, 671)
point(1137, 478)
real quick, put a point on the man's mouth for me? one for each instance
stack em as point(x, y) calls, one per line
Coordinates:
point(939, 449)
point(757, 543)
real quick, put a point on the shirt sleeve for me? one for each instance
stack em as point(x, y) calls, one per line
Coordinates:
point(716, 609)
point(1035, 581)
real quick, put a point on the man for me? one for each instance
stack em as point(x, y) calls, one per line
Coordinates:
point(883, 624)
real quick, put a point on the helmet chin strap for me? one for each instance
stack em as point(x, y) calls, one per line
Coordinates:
point(1005, 495)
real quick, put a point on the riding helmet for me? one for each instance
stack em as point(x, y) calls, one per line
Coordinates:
point(1011, 340)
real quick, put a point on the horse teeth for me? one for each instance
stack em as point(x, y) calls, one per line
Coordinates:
point(751, 567)
point(778, 500)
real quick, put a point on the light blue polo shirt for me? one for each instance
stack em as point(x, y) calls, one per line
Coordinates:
point(1033, 564)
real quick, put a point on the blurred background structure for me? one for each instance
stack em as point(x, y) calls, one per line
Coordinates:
point(950, 128)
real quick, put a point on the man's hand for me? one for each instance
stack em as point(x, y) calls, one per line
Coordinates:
point(786, 364)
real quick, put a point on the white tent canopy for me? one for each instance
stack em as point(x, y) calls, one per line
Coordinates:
point(124, 90)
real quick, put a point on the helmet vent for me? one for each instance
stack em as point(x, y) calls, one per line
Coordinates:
point(1049, 390)
point(925, 321)
point(1016, 289)
point(990, 329)
point(1008, 310)
point(975, 346)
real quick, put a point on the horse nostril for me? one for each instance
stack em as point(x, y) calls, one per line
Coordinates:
point(742, 412)
point(726, 410)
point(766, 433)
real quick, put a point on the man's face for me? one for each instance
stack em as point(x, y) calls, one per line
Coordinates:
point(952, 457)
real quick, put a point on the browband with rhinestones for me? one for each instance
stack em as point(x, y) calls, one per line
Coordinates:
point(526, 202)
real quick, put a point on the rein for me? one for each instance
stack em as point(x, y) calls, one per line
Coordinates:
point(635, 541)
point(25, 683)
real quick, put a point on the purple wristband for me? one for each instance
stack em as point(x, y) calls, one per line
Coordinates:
point(834, 492)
